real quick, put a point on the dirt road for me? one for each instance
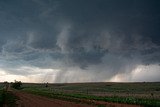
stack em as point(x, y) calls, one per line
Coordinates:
point(30, 100)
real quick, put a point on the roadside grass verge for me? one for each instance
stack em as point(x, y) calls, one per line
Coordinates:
point(7, 98)
point(91, 98)
point(1, 98)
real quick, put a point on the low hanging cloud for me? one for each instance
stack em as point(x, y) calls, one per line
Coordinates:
point(80, 41)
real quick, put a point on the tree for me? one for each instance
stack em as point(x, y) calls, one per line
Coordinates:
point(17, 84)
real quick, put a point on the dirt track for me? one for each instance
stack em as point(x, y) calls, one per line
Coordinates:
point(30, 100)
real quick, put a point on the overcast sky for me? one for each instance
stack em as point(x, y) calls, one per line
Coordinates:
point(79, 40)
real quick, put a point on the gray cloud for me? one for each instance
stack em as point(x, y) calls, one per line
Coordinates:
point(86, 40)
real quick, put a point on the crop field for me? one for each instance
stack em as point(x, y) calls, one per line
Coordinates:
point(144, 93)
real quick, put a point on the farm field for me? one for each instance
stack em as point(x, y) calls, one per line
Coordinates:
point(144, 93)
point(107, 94)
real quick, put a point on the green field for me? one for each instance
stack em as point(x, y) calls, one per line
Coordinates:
point(146, 94)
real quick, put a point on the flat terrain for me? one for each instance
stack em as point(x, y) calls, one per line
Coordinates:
point(89, 95)
point(150, 90)
point(30, 100)
point(140, 93)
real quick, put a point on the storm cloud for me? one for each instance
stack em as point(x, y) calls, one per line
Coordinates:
point(80, 40)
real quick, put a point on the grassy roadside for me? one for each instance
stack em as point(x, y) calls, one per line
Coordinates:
point(7, 98)
point(77, 98)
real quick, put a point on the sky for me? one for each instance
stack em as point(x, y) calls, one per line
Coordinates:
point(63, 41)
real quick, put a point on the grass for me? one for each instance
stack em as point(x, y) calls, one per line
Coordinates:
point(7, 98)
point(76, 92)
point(1, 98)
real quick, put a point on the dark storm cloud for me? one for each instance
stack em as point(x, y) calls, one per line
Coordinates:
point(92, 36)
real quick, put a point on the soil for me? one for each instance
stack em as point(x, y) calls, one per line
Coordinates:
point(30, 100)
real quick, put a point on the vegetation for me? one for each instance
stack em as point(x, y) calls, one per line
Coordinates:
point(7, 98)
point(1, 98)
point(17, 84)
point(146, 94)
